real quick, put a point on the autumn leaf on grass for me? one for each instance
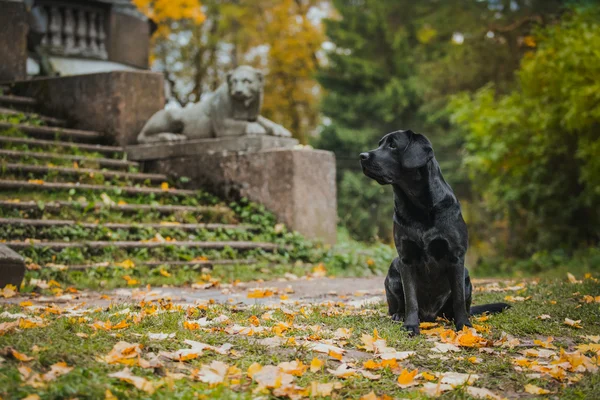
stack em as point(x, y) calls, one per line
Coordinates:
point(56, 370)
point(319, 271)
point(137, 381)
point(8, 326)
point(482, 393)
point(547, 344)
point(532, 389)
point(107, 325)
point(457, 379)
point(131, 281)
point(8, 291)
point(164, 187)
point(296, 367)
point(343, 371)
point(18, 356)
point(323, 389)
point(343, 333)
point(572, 278)
point(514, 299)
point(214, 373)
point(164, 272)
point(573, 323)
point(316, 365)
point(407, 378)
point(124, 353)
point(271, 376)
point(126, 264)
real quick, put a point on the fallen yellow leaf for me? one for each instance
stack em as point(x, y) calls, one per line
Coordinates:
point(8, 291)
point(573, 323)
point(315, 365)
point(532, 389)
point(407, 378)
point(137, 381)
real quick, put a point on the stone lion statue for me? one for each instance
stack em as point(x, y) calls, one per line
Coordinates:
point(232, 110)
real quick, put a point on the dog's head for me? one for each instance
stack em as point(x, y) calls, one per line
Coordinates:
point(398, 153)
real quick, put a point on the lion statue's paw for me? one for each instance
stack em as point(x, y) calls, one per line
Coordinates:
point(170, 137)
point(279, 130)
point(255, 129)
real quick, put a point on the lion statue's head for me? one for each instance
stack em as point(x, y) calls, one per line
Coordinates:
point(245, 86)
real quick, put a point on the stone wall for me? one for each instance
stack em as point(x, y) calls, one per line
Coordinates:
point(298, 186)
point(13, 40)
point(117, 103)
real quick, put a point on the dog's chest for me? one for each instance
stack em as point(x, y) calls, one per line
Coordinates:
point(433, 290)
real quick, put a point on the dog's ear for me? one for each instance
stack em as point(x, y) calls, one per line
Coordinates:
point(419, 151)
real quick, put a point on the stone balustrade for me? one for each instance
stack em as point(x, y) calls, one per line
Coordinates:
point(75, 29)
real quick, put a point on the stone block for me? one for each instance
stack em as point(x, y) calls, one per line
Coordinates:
point(128, 40)
point(12, 267)
point(13, 40)
point(162, 150)
point(117, 103)
point(297, 185)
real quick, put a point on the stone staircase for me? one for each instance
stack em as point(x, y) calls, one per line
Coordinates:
point(68, 198)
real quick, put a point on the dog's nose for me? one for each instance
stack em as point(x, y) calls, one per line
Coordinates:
point(364, 156)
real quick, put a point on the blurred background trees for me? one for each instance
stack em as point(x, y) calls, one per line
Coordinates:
point(507, 91)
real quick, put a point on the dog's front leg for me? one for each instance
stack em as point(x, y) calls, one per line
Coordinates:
point(456, 273)
point(409, 283)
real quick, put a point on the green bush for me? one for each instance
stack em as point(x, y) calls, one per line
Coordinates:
point(533, 154)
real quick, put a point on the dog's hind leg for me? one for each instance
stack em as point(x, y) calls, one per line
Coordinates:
point(394, 292)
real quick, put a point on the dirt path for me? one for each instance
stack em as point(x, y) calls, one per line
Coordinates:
point(306, 290)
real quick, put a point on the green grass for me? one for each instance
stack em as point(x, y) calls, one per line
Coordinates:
point(58, 342)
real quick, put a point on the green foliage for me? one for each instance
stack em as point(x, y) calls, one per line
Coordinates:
point(533, 153)
point(394, 65)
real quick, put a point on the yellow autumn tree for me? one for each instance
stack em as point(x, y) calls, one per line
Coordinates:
point(291, 92)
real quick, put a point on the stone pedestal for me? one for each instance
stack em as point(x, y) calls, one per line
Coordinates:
point(12, 267)
point(297, 185)
point(13, 40)
point(117, 103)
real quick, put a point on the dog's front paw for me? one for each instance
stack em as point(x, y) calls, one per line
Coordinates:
point(461, 324)
point(397, 317)
point(413, 330)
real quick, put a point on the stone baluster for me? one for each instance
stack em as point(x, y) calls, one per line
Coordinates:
point(69, 30)
point(93, 34)
point(81, 34)
point(102, 38)
point(55, 27)
point(46, 38)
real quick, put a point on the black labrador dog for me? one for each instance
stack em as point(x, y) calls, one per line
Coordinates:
point(428, 279)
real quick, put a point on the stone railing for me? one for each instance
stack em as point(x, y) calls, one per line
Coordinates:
point(75, 29)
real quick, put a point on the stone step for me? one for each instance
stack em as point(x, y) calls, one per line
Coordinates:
point(120, 225)
point(155, 264)
point(98, 148)
point(50, 121)
point(103, 162)
point(163, 209)
point(237, 245)
point(75, 135)
point(18, 102)
point(42, 169)
point(17, 184)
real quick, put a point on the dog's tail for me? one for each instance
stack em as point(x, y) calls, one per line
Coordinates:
point(492, 308)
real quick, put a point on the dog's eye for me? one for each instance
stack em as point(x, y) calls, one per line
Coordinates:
point(392, 145)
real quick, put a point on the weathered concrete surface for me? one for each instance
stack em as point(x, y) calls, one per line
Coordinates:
point(129, 40)
point(117, 103)
point(13, 40)
point(12, 267)
point(297, 185)
point(163, 150)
